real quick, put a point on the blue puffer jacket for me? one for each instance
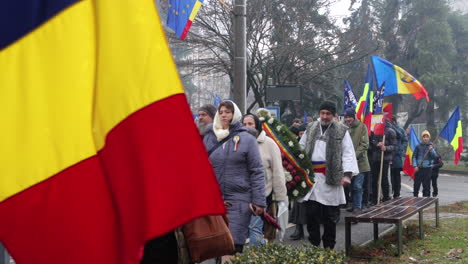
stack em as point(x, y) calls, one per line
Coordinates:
point(418, 155)
point(240, 173)
point(240, 176)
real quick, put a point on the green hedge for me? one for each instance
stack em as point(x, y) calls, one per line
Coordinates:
point(287, 254)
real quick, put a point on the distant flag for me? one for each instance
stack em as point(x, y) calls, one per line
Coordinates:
point(378, 100)
point(413, 141)
point(397, 80)
point(349, 97)
point(364, 106)
point(87, 173)
point(452, 132)
point(362, 103)
point(181, 14)
point(216, 100)
point(305, 117)
point(388, 108)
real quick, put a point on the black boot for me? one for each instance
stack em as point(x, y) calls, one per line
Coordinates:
point(298, 233)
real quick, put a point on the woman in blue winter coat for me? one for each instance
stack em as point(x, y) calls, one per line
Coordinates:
point(236, 160)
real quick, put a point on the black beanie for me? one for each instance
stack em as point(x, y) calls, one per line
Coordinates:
point(350, 112)
point(327, 105)
point(209, 109)
point(258, 124)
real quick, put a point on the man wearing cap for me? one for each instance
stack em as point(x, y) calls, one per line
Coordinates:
point(331, 150)
point(206, 114)
point(358, 133)
point(423, 157)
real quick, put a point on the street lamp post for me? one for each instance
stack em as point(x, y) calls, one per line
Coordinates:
point(240, 61)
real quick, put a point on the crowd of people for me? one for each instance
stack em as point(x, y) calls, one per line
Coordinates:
point(346, 162)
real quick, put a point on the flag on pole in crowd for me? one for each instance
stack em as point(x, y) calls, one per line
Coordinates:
point(452, 132)
point(388, 108)
point(413, 141)
point(349, 97)
point(305, 118)
point(88, 175)
point(181, 14)
point(216, 100)
point(378, 100)
point(363, 102)
point(397, 80)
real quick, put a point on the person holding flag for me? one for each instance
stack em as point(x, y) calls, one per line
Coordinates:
point(423, 157)
point(383, 142)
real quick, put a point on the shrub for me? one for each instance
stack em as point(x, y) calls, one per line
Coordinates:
point(287, 254)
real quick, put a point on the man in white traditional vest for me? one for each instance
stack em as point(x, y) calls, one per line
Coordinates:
point(330, 147)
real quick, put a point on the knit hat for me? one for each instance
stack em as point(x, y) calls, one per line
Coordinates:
point(350, 112)
point(425, 132)
point(209, 109)
point(327, 105)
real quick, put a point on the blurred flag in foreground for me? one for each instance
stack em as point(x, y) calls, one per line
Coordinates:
point(452, 132)
point(88, 175)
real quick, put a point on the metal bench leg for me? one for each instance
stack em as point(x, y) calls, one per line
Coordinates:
point(437, 212)
point(421, 224)
point(376, 231)
point(347, 236)
point(400, 237)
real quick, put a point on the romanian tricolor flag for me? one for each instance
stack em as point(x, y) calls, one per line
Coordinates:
point(413, 141)
point(90, 169)
point(362, 103)
point(397, 80)
point(452, 132)
point(181, 14)
point(388, 108)
point(365, 103)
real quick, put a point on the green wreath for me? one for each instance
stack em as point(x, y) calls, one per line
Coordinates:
point(296, 163)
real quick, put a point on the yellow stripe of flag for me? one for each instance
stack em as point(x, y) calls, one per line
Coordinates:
point(57, 112)
point(195, 9)
point(458, 134)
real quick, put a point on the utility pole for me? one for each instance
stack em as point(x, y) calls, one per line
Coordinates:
point(240, 60)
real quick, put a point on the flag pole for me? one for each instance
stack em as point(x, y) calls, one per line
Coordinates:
point(379, 188)
point(224, 4)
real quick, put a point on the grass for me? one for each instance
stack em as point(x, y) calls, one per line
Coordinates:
point(446, 244)
point(452, 167)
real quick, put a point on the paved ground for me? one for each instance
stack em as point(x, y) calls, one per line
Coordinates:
point(451, 189)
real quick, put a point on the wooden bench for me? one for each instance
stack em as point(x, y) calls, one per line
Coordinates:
point(392, 212)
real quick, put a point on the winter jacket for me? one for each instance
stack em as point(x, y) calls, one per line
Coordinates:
point(358, 133)
point(274, 174)
point(390, 145)
point(402, 143)
point(239, 171)
point(419, 153)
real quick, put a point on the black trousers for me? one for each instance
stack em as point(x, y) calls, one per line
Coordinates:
point(375, 170)
point(395, 178)
point(317, 214)
point(434, 177)
point(422, 176)
point(162, 250)
point(366, 187)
